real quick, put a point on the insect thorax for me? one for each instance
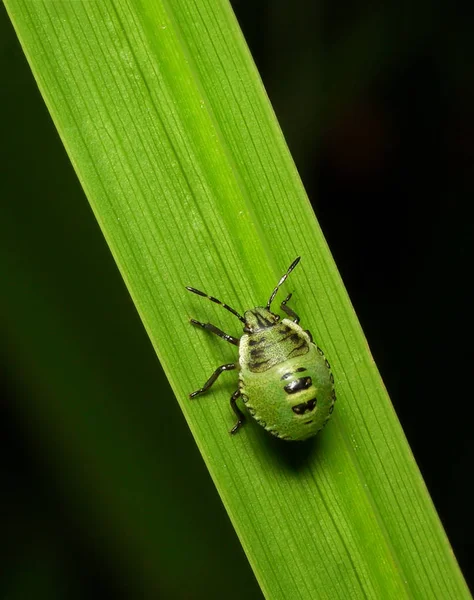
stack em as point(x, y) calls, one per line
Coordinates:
point(272, 343)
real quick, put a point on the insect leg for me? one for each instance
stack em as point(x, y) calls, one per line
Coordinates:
point(217, 331)
point(213, 378)
point(291, 313)
point(238, 412)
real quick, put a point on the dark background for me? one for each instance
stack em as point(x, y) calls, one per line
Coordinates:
point(376, 105)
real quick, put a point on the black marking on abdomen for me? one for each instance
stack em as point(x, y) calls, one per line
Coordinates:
point(289, 374)
point(257, 365)
point(260, 340)
point(304, 407)
point(303, 383)
point(288, 333)
point(300, 347)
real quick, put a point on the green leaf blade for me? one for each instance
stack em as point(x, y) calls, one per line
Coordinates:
point(168, 127)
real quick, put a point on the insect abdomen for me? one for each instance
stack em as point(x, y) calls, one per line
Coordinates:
point(293, 400)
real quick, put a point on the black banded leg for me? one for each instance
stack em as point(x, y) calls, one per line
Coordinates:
point(213, 378)
point(291, 313)
point(238, 412)
point(217, 331)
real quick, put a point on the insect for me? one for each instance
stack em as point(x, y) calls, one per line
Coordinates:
point(285, 381)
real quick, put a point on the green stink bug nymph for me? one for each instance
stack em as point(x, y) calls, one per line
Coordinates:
point(284, 379)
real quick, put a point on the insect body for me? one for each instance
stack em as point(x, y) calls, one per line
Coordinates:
point(284, 379)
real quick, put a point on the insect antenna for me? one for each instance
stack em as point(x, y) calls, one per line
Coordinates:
point(282, 280)
point(212, 299)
